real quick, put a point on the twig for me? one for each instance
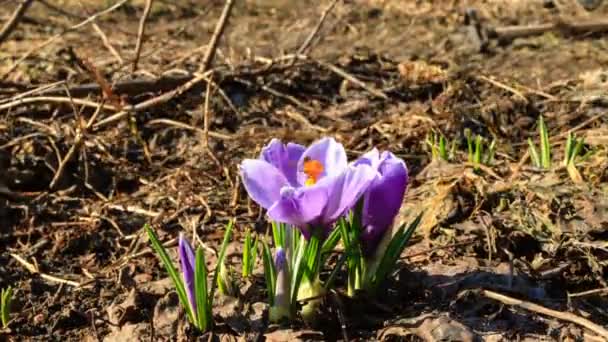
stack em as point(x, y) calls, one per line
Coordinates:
point(353, 79)
point(589, 292)
point(34, 269)
point(78, 140)
point(106, 43)
point(566, 316)
point(127, 87)
point(12, 22)
point(54, 99)
point(200, 76)
point(219, 30)
point(313, 33)
point(39, 47)
point(153, 101)
point(140, 32)
point(503, 86)
point(206, 124)
point(32, 91)
point(511, 32)
point(188, 127)
point(206, 116)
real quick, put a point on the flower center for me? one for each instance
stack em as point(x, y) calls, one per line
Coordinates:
point(313, 169)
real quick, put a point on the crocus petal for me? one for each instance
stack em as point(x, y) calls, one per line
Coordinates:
point(344, 191)
point(371, 158)
point(329, 153)
point(384, 198)
point(262, 181)
point(299, 207)
point(284, 157)
point(187, 262)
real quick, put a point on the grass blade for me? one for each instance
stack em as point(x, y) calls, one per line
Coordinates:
point(534, 154)
point(577, 149)
point(568, 150)
point(545, 145)
point(394, 250)
point(5, 305)
point(478, 151)
point(220, 259)
point(246, 254)
point(330, 244)
point(269, 272)
point(200, 284)
point(175, 277)
point(443, 152)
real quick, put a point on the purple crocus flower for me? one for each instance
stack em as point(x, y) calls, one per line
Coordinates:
point(384, 197)
point(187, 262)
point(305, 187)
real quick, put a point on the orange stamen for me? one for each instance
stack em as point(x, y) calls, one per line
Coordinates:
point(313, 169)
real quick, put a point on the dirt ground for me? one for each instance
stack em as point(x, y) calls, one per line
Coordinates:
point(506, 252)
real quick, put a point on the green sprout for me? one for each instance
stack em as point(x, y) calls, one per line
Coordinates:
point(543, 160)
point(573, 149)
point(476, 152)
point(193, 288)
point(296, 279)
point(250, 254)
point(6, 296)
point(439, 146)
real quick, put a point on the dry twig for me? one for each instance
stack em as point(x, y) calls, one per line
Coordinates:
point(12, 22)
point(200, 76)
point(59, 35)
point(34, 269)
point(566, 316)
point(106, 43)
point(315, 31)
point(140, 32)
point(219, 30)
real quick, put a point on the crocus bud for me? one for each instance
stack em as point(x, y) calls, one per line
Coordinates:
point(187, 261)
point(281, 308)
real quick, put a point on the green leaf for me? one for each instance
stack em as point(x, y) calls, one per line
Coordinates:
point(394, 250)
point(201, 293)
point(330, 244)
point(5, 305)
point(534, 154)
point(478, 151)
point(278, 234)
point(269, 272)
point(220, 260)
point(332, 276)
point(442, 148)
point(246, 255)
point(298, 270)
point(175, 277)
point(568, 150)
point(254, 254)
point(577, 149)
point(545, 145)
point(467, 133)
point(491, 150)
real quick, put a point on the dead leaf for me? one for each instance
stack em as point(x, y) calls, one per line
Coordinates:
point(158, 288)
point(166, 315)
point(294, 335)
point(126, 311)
point(430, 328)
point(417, 72)
point(129, 333)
